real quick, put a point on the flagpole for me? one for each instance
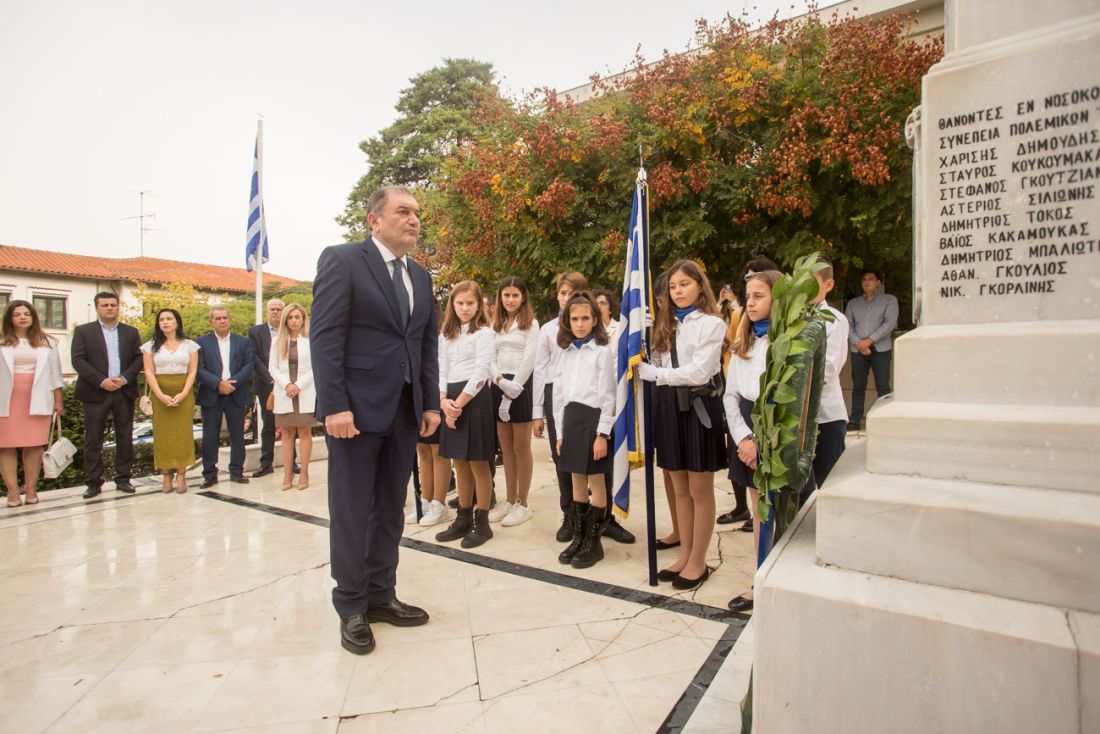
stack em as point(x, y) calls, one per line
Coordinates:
point(259, 253)
point(647, 391)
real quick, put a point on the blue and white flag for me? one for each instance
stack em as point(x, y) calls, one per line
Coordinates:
point(629, 432)
point(257, 226)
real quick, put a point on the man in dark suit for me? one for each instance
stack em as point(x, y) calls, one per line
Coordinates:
point(225, 366)
point(374, 338)
point(106, 355)
point(261, 336)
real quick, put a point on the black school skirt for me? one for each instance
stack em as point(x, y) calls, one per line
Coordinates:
point(581, 422)
point(520, 410)
point(740, 473)
point(682, 442)
point(474, 436)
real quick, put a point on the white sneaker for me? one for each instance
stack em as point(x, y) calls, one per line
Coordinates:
point(434, 513)
point(410, 519)
point(519, 515)
point(499, 512)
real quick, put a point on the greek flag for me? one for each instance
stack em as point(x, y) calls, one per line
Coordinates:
point(257, 226)
point(629, 429)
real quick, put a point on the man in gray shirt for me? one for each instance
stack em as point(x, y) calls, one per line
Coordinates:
point(872, 320)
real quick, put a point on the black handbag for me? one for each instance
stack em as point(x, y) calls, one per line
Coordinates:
point(690, 397)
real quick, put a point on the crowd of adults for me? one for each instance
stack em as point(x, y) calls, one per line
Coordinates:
point(273, 362)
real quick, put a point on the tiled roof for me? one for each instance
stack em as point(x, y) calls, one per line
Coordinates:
point(146, 269)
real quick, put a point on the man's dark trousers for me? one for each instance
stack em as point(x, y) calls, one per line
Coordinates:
point(365, 535)
point(211, 432)
point(121, 410)
point(830, 446)
point(879, 363)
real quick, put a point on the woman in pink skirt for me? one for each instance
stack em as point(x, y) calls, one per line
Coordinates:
point(30, 394)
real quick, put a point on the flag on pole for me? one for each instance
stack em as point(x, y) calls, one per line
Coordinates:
point(255, 252)
point(629, 429)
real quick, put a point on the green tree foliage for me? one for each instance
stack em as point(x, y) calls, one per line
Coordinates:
point(435, 117)
point(782, 140)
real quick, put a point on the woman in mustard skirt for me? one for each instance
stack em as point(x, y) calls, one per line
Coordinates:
point(171, 361)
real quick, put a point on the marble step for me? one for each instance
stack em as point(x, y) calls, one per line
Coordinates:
point(1031, 544)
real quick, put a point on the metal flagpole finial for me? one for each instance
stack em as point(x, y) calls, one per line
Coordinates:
point(641, 164)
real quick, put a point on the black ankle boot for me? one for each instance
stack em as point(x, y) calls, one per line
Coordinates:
point(565, 532)
point(480, 532)
point(579, 519)
point(591, 549)
point(462, 524)
point(614, 531)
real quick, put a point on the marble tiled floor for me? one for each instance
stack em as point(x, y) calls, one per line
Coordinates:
point(189, 613)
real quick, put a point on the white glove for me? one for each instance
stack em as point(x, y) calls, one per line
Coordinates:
point(510, 388)
point(647, 372)
point(505, 406)
point(648, 319)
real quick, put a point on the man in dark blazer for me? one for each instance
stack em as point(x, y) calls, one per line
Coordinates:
point(374, 339)
point(106, 355)
point(261, 336)
point(223, 390)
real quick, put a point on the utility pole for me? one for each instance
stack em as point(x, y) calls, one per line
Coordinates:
point(141, 217)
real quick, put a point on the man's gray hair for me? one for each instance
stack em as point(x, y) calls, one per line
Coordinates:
point(275, 300)
point(218, 308)
point(377, 201)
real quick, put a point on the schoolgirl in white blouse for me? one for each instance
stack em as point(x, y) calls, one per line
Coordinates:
point(584, 412)
point(547, 354)
point(688, 337)
point(748, 359)
point(516, 333)
point(467, 435)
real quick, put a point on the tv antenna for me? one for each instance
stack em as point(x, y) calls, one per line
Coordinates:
point(141, 217)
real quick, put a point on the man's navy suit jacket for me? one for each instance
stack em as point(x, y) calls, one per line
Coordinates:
point(359, 351)
point(210, 369)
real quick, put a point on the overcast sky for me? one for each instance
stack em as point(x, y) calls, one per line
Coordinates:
point(99, 100)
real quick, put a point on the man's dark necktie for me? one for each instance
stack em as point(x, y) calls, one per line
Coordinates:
point(401, 293)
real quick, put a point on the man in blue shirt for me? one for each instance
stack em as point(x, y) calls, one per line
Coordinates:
point(872, 320)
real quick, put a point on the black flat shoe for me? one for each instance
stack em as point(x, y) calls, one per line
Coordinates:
point(684, 584)
point(662, 545)
point(665, 575)
point(398, 613)
point(733, 516)
point(355, 634)
point(740, 604)
point(747, 527)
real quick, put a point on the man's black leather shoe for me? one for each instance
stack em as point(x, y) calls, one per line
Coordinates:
point(91, 491)
point(398, 613)
point(617, 532)
point(263, 471)
point(355, 634)
point(238, 478)
point(733, 516)
point(208, 483)
point(124, 487)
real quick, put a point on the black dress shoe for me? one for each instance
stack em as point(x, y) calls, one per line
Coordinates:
point(91, 491)
point(740, 604)
point(662, 545)
point(124, 487)
point(398, 613)
point(208, 483)
point(263, 471)
point(734, 515)
point(238, 478)
point(617, 532)
point(355, 634)
point(665, 575)
point(747, 527)
point(684, 583)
